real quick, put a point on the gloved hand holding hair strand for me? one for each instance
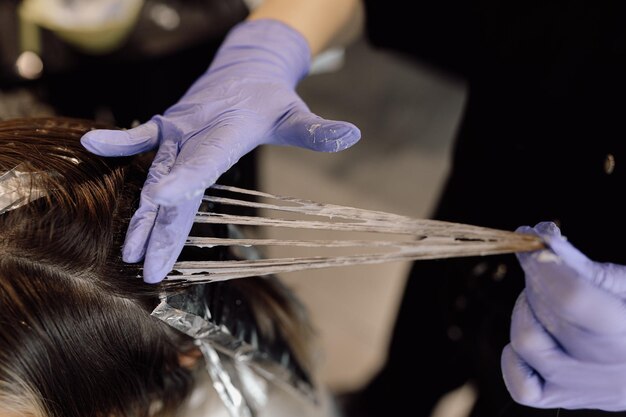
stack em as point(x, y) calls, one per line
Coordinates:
point(568, 332)
point(245, 99)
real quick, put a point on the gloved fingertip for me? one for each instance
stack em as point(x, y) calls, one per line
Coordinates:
point(351, 136)
point(121, 142)
point(548, 229)
point(152, 278)
point(94, 140)
point(131, 254)
point(343, 130)
point(527, 230)
point(155, 270)
point(332, 136)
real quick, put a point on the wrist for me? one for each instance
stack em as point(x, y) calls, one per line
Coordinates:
point(264, 47)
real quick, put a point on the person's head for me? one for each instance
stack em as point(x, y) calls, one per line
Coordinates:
point(76, 335)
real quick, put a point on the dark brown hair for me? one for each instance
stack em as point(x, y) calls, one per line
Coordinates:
point(76, 337)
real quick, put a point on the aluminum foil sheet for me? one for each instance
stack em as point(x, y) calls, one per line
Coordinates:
point(17, 188)
point(239, 363)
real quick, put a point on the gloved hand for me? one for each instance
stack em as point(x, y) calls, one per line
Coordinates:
point(568, 332)
point(246, 98)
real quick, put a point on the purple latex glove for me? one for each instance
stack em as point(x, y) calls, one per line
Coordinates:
point(245, 99)
point(568, 332)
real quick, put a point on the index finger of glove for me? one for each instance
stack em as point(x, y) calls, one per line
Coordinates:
point(611, 277)
point(142, 222)
point(563, 285)
point(170, 231)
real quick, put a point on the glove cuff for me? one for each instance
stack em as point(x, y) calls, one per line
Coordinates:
point(264, 47)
